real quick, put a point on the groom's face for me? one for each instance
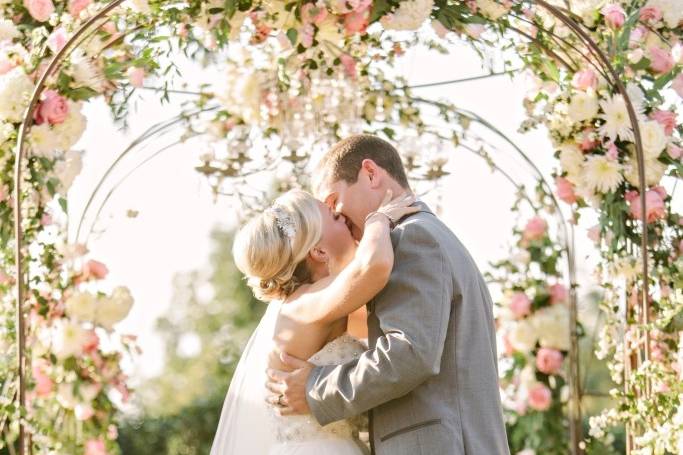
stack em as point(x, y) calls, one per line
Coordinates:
point(353, 200)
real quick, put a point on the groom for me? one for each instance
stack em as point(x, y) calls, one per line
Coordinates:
point(430, 376)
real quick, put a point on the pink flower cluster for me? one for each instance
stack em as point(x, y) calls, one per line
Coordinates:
point(655, 208)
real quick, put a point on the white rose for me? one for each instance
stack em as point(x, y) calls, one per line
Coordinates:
point(81, 305)
point(15, 90)
point(114, 308)
point(654, 138)
point(410, 15)
point(523, 335)
point(8, 31)
point(583, 106)
point(67, 338)
point(552, 326)
point(84, 71)
point(654, 171)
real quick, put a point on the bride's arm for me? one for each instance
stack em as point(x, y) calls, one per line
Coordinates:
point(368, 272)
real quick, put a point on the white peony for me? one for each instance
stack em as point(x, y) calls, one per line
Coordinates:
point(6, 132)
point(653, 137)
point(15, 90)
point(410, 15)
point(68, 338)
point(583, 106)
point(67, 168)
point(81, 306)
point(8, 31)
point(552, 326)
point(602, 175)
point(522, 335)
point(491, 9)
point(672, 11)
point(114, 308)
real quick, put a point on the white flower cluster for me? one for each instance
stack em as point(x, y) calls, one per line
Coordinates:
point(46, 140)
point(549, 326)
point(105, 311)
point(8, 31)
point(15, 90)
point(410, 15)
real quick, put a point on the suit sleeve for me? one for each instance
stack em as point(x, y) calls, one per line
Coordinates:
point(413, 310)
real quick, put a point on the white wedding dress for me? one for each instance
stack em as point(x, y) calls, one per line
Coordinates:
point(250, 426)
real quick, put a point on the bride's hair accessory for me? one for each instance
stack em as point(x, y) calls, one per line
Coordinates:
point(284, 221)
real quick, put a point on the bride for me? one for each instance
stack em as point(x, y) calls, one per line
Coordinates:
point(301, 257)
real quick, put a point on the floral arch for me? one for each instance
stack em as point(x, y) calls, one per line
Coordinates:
point(606, 76)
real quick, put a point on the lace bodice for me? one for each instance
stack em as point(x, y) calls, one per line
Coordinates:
point(305, 427)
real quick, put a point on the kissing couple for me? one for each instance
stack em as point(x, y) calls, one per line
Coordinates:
point(377, 313)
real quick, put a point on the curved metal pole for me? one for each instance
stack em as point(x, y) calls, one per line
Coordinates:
point(26, 123)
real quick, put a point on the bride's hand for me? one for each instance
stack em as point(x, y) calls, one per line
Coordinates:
point(395, 209)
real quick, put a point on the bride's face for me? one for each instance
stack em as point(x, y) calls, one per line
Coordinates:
point(336, 238)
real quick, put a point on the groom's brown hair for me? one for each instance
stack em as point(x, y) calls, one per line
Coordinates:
point(343, 161)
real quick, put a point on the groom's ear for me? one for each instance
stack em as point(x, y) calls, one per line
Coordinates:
point(319, 255)
point(372, 171)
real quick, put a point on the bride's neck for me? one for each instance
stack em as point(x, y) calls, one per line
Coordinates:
point(336, 265)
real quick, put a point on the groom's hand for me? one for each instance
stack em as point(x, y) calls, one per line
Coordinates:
point(289, 387)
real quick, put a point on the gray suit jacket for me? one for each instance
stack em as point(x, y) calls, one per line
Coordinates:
point(430, 377)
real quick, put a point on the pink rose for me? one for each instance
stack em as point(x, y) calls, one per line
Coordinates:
point(76, 6)
point(44, 385)
point(654, 202)
point(349, 64)
point(637, 35)
point(565, 190)
point(136, 76)
point(677, 85)
point(614, 15)
point(535, 229)
point(46, 219)
point(356, 22)
point(675, 151)
point(540, 397)
point(95, 447)
point(650, 13)
point(307, 32)
point(665, 118)
point(95, 270)
point(56, 40)
point(612, 151)
point(662, 61)
point(549, 361)
point(312, 13)
point(40, 10)
point(520, 304)
point(558, 293)
point(53, 109)
point(585, 79)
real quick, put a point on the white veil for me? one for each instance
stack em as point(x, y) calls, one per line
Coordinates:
point(247, 425)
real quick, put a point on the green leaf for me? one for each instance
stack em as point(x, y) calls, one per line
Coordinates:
point(550, 69)
point(379, 9)
point(292, 34)
point(63, 204)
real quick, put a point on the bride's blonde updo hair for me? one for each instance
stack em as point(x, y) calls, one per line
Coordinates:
point(272, 247)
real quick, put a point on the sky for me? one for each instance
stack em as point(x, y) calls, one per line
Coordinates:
point(176, 210)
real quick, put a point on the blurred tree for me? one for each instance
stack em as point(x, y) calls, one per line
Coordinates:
point(211, 317)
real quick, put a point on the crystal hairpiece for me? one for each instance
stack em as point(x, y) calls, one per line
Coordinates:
point(284, 221)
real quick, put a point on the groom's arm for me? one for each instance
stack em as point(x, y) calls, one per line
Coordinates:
point(413, 310)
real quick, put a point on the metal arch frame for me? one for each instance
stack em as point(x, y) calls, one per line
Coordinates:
point(56, 61)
